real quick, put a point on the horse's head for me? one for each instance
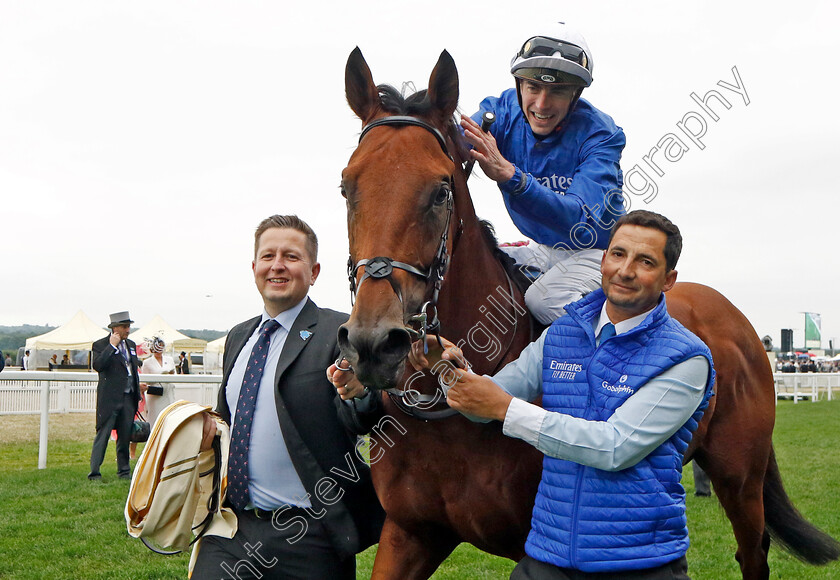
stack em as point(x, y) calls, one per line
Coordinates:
point(399, 188)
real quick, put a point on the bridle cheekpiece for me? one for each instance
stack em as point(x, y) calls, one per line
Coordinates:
point(417, 325)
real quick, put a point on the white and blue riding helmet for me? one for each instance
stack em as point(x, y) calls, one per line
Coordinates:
point(559, 55)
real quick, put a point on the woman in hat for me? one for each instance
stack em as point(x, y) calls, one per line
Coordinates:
point(158, 396)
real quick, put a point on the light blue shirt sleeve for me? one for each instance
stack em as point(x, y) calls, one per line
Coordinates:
point(646, 419)
point(522, 378)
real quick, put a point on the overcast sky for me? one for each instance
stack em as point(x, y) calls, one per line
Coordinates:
point(141, 143)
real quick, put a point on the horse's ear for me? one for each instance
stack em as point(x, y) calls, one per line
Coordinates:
point(362, 94)
point(443, 86)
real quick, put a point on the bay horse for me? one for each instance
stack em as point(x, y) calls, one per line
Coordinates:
point(421, 260)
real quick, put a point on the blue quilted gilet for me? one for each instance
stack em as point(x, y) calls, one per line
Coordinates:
point(608, 521)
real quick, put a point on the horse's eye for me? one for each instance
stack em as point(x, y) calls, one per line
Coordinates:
point(442, 194)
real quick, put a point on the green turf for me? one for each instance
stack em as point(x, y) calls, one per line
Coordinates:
point(55, 524)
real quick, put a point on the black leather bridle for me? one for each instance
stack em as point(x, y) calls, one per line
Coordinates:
point(417, 325)
point(412, 402)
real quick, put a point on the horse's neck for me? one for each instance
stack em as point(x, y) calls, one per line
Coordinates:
point(474, 274)
point(478, 303)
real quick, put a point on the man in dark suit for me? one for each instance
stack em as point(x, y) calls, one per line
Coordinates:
point(301, 493)
point(117, 394)
point(183, 364)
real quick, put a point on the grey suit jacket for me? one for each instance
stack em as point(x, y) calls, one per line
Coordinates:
point(316, 432)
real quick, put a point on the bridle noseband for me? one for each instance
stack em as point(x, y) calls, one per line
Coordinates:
point(383, 266)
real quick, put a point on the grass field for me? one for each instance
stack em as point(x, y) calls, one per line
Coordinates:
point(55, 524)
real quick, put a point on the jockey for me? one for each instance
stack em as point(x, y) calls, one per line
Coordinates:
point(555, 158)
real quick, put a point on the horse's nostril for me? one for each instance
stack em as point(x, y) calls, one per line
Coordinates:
point(396, 344)
point(343, 334)
point(377, 355)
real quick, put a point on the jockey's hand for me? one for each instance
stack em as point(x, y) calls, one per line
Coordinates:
point(424, 356)
point(346, 384)
point(486, 152)
point(208, 432)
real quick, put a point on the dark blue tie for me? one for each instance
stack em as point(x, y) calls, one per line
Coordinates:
point(127, 362)
point(240, 440)
point(606, 332)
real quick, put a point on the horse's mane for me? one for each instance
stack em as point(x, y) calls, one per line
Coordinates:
point(418, 104)
point(509, 264)
point(394, 102)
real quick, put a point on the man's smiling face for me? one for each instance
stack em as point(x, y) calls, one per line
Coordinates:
point(634, 272)
point(283, 269)
point(545, 105)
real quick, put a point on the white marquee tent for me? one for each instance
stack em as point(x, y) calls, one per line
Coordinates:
point(213, 353)
point(217, 345)
point(78, 334)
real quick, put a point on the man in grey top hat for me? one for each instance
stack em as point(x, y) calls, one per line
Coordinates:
point(117, 394)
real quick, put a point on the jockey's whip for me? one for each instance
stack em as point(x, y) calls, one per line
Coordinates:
point(487, 119)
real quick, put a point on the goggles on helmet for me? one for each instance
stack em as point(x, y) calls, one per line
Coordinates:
point(544, 46)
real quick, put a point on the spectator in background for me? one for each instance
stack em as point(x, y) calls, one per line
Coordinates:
point(117, 394)
point(25, 365)
point(53, 361)
point(183, 364)
point(8, 361)
point(65, 360)
point(158, 397)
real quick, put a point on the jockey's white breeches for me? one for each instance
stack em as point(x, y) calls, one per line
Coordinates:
point(567, 275)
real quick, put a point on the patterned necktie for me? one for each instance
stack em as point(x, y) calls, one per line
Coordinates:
point(127, 363)
point(606, 332)
point(240, 440)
